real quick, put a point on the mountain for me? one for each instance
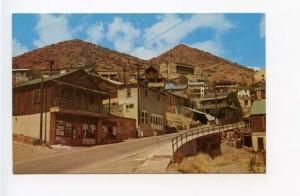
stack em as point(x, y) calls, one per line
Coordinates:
point(214, 67)
point(72, 53)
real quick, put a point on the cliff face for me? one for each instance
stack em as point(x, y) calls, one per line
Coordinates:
point(75, 52)
point(214, 67)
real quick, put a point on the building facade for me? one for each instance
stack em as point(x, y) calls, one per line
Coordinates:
point(146, 105)
point(67, 109)
point(244, 97)
point(258, 125)
point(222, 105)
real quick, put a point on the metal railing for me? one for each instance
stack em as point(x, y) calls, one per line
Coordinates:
point(199, 132)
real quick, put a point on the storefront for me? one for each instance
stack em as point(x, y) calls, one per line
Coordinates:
point(75, 130)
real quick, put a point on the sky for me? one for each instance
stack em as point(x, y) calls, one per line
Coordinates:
point(237, 37)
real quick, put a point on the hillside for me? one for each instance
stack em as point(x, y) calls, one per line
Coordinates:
point(214, 67)
point(72, 53)
point(75, 52)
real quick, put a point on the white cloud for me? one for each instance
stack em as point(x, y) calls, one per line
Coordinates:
point(212, 46)
point(123, 35)
point(51, 29)
point(256, 68)
point(95, 33)
point(18, 48)
point(262, 27)
point(171, 29)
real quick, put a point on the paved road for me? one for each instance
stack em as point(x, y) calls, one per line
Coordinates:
point(126, 157)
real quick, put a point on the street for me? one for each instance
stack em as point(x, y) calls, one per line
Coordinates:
point(125, 157)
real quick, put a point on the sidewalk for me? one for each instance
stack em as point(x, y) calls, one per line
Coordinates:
point(157, 161)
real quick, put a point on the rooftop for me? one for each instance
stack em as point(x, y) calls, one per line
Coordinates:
point(258, 107)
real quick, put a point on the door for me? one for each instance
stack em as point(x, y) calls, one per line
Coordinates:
point(76, 134)
point(260, 143)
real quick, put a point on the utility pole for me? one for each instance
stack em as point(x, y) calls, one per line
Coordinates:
point(138, 92)
point(215, 103)
point(124, 78)
point(51, 63)
point(138, 98)
point(41, 108)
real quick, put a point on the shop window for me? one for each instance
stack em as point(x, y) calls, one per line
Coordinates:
point(36, 96)
point(63, 128)
point(89, 130)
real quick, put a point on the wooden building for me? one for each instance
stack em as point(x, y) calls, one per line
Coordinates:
point(223, 105)
point(21, 75)
point(152, 78)
point(258, 124)
point(67, 109)
point(174, 100)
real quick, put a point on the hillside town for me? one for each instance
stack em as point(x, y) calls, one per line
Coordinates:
point(86, 104)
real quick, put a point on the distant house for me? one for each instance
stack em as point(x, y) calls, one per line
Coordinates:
point(196, 86)
point(168, 70)
point(223, 105)
point(222, 86)
point(152, 78)
point(259, 93)
point(175, 100)
point(112, 75)
point(258, 124)
point(21, 75)
point(146, 105)
point(244, 97)
point(260, 75)
point(72, 111)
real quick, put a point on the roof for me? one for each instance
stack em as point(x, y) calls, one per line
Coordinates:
point(194, 77)
point(37, 81)
point(57, 76)
point(172, 86)
point(114, 82)
point(178, 94)
point(258, 107)
point(20, 69)
point(217, 95)
point(135, 85)
point(208, 116)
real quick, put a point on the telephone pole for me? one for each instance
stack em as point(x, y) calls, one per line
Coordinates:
point(41, 108)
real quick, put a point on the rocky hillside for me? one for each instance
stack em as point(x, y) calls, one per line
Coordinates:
point(214, 67)
point(75, 52)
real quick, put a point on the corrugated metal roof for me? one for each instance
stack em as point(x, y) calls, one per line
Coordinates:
point(258, 107)
point(37, 81)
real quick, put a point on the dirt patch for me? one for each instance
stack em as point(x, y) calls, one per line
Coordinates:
point(26, 148)
point(232, 160)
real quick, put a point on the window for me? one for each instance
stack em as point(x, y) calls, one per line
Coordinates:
point(144, 117)
point(129, 106)
point(158, 97)
point(146, 93)
point(91, 100)
point(36, 96)
point(63, 128)
point(89, 130)
point(128, 92)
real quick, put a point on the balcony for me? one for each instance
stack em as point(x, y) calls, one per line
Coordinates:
point(76, 105)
